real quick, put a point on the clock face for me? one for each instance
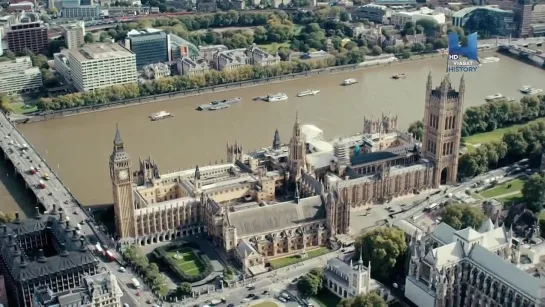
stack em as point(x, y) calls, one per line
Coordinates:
point(123, 175)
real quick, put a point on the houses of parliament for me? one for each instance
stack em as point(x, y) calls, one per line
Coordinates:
point(288, 198)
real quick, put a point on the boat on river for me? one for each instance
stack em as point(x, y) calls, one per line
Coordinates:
point(218, 105)
point(276, 97)
point(494, 97)
point(160, 115)
point(350, 81)
point(528, 90)
point(308, 93)
point(399, 76)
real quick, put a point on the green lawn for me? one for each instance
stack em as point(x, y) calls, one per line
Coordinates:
point(22, 108)
point(265, 304)
point(326, 299)
point(495, 135)
point(289, 260)
point(510, 200)
point(273, 47)
point(189, 263)
point(514, 186)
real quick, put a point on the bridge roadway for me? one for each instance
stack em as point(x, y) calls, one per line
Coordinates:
point(56, 193)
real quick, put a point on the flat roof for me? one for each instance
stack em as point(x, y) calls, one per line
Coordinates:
point(99, 52)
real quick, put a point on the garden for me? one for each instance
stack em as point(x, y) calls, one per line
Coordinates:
point(289, 260)
point(185, 260)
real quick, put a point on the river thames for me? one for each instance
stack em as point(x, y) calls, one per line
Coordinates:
point(79, 146)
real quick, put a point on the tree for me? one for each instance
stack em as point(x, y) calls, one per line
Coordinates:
point(5, 103)
point(228, 272)
point(184, 289)
point(39, 61)
point(311, 283)
point(370, 299)
point(381, 247)
point(406, 54)
point(9, 54)
point(104, 37)
point(463, 216)
point(533, 192)
point(89, 38)
point(376, 50)
point(6, 217)
point(417, 129)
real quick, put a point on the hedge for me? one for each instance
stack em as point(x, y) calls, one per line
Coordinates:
point(161, 254)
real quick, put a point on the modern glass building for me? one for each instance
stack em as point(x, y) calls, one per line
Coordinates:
point(150, 46)
point(487, 21)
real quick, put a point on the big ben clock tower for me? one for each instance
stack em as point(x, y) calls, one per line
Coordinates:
point(120, 173)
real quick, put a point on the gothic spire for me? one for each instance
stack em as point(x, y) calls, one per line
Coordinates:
point(118, 141)
point(276, 140)
point(430, 80)
point(360, 262)
point(197, 173)
point(297, 196)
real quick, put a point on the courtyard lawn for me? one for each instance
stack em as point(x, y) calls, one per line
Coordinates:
point(495, 135)
point(516, 186)
point(326, 299)
point(273, 47)
point(289, 260)
point(265, 304)
point(187, 261)
point(22, 108)
point(510, 200)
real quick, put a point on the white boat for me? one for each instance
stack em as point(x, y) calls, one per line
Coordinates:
point(528, 90)
point(219, 107)
point(160, 115)
point(350, 81)
point(308, 93)
point(490, 60)
point(276, 97)
point(525, 89)
point(216, 105)
point(494, 97)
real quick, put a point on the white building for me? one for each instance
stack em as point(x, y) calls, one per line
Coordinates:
point(188, 67)
point(466, 267)
point(232, 59)
point(261, 58)
point(349, 280)
point(18, 76)
point(62, 65)
point(100, 65)
point(400, 19)
point(74, 35)
point(156, 71)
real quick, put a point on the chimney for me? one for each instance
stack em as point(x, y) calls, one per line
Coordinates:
point(63, 251)
point(17, 220)
point(82, 244)
point(16, 250)
point(54, 209)
point(22, 261)
point(4, 230)
point(67, 226)
point(10, 240)
point(61, 217)
point(41, 257)
point(75, 234)
point(37, 215)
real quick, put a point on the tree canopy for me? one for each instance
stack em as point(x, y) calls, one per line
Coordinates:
point(382, 247)
point(370, 299)
point(417, 129)
point(463, 216)
point(311, 283)
point(533, 192)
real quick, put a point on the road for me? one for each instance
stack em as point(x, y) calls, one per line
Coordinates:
point(55, 193)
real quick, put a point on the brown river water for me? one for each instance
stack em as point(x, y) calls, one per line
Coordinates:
point(79, 146)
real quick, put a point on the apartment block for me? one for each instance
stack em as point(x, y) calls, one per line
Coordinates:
point(17, 76)
point(100, 65)
point(74, 35)
point(81, 12)
point(62, 65)
point(31, 36)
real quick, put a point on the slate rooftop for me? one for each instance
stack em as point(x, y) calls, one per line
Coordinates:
point(69, 248)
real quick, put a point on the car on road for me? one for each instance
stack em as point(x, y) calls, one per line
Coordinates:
point(231, 305)
point(265, 292)
point(283, 300)
point(251, 295)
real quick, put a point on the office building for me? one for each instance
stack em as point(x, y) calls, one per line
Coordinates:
point(18, 76)
point(207, 52)
point(400, 18)
point(372, 12)
point(99, 65)
point(457, 268)
point(43, 251)
point(206, 6)
point(85, 12)
point(74, 35)
point(62, 65)
point(180, 47)
point(469, 19)
point(150, 46)
point(24, 6)
point(31, 36)
point(347, 280)
point(97, 290)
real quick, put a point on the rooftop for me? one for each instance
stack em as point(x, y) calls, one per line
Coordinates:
point(100, 51)
point(463, 12)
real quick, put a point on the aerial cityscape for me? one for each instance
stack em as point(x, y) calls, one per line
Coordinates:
point(272, 153)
